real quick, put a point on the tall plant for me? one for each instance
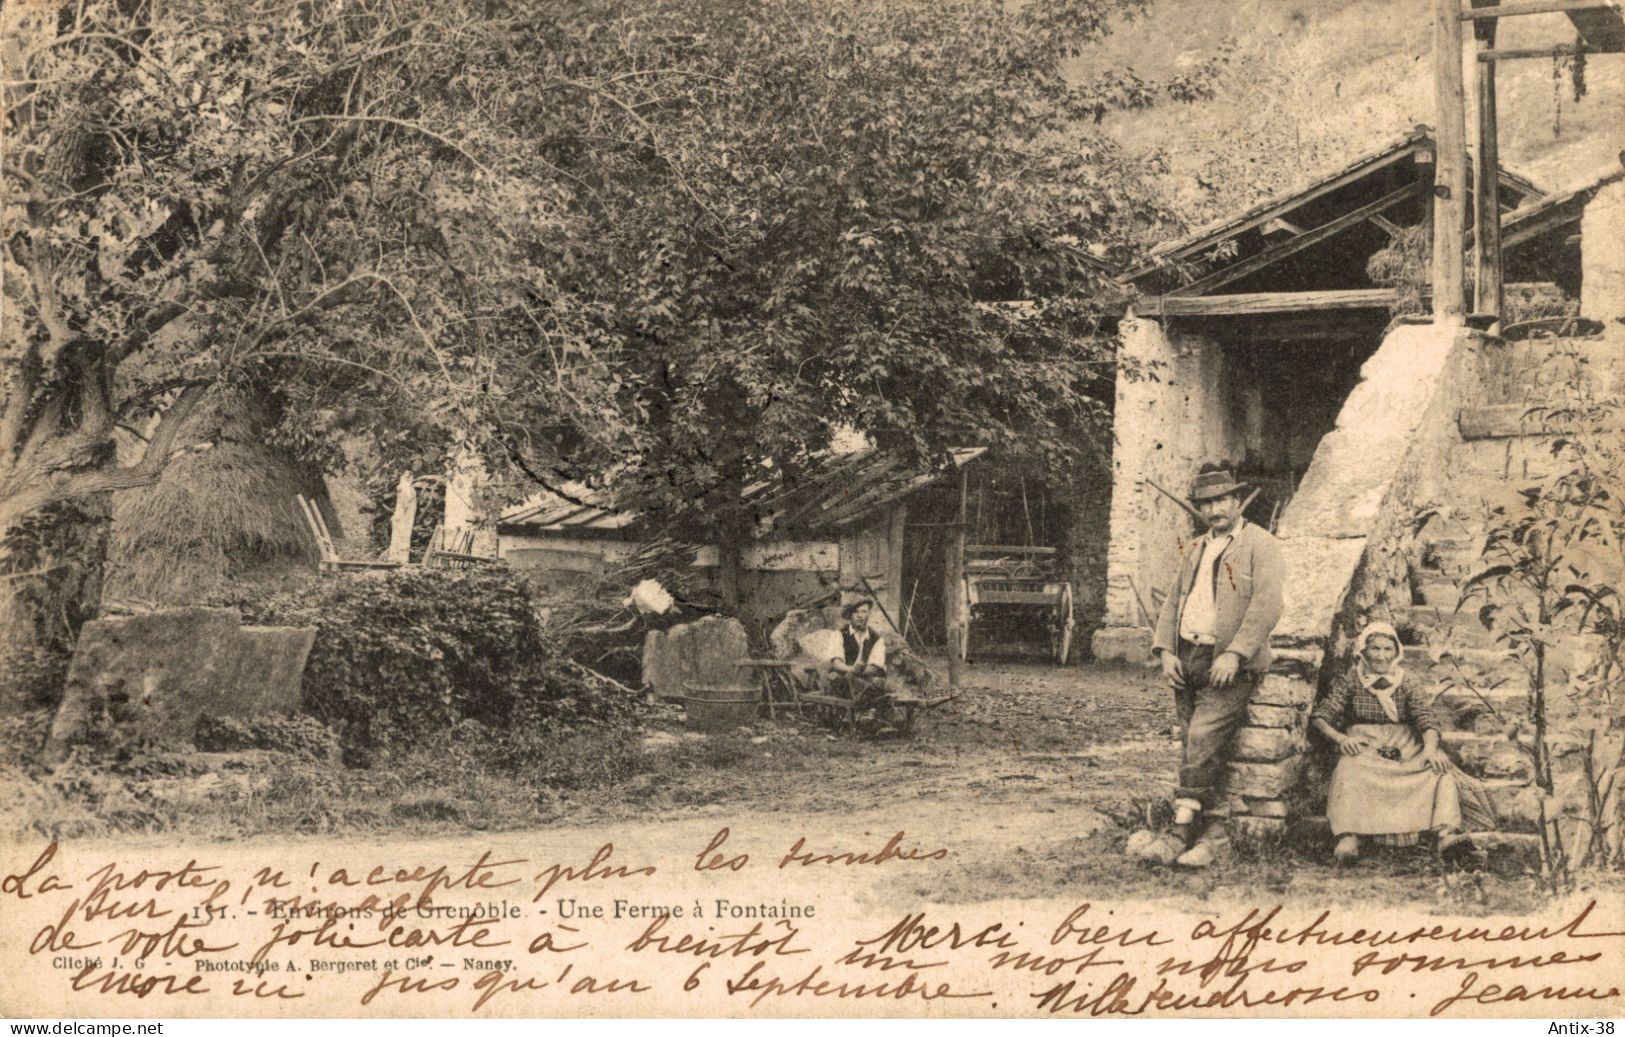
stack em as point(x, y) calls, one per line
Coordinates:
point(1550, 590)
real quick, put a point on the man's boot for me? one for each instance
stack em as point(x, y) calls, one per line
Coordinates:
point(1168, 846)
point(1213, 845)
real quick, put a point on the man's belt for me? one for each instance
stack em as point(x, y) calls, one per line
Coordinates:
point(1200, 640)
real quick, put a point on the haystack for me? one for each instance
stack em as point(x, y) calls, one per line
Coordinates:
point(218, 517)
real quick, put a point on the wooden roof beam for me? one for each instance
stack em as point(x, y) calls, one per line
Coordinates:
point(1555, 50)
point(1518, 7)
point(1268, 302)
point(1277, 252)
point(1422, 151)
point(1280, 226)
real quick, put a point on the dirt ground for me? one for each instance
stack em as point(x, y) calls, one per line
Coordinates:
point(1046, 770)
point(1054, 767)
point(1031, 737)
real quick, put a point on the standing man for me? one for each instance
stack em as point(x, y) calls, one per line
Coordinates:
point(1213, 640)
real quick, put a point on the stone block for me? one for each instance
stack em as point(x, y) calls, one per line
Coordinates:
point(1261, 715)
point(1340, 492)
point(1261, 780)
point(1265, 745)
point(702, 652)
point(1303, 663)
point(1123, 645)
point(156, 674)
point(1258, 829)
point(797, 623)
point(1319, 570)
point(1484, 757)
point(1279, 690)
point(1266, 808)
point(1517, 803)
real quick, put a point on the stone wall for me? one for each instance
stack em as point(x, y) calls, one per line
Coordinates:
point(1602, 257)
point(1178, 404)
point(1344, 533)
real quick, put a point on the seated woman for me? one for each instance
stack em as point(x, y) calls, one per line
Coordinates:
point(1392, 781)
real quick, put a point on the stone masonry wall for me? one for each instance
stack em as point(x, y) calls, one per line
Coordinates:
point(1173, 411)
point(1393, 430)
point(1602, 257)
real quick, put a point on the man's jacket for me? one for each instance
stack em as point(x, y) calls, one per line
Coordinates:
point(1246, 596)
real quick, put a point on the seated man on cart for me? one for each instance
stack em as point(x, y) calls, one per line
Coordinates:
point(860, 671)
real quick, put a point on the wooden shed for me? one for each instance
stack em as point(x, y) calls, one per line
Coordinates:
point(836, 530)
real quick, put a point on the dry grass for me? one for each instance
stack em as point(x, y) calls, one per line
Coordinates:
point(215, 516)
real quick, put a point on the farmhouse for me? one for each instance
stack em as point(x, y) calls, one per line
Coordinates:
point(1287, 338)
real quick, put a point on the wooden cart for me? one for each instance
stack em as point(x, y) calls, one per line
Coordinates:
point(1002, 577)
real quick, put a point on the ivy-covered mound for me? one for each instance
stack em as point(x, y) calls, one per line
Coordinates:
point(402, 656)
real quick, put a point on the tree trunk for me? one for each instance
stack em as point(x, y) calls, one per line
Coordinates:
point(732, 534)
point(54, 505)
point(51, 573)
point(730, 565)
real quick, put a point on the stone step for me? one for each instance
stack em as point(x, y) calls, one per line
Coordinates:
point(1482, 666)
point(1514, 420)
point(1439, 593)
point(1486, 756)
point(1486, 711)
point(1454, 557)
point(1434, 625)
point(1516, 802)
point(1518, 846)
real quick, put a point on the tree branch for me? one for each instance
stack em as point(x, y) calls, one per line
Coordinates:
point(169, 426)
point(404, 124)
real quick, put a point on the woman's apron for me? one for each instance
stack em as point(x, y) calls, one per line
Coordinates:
point(1389, 790)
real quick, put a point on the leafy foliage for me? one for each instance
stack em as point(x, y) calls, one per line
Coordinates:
point(659, 244)
point(825, 205)
point(301, 736)
point(400, 657)
point(1553, 563)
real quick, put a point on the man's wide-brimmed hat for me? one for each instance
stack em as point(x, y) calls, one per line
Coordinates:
point(1213, 485)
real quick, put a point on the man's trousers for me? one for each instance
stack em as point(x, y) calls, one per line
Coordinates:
point(1209, 718)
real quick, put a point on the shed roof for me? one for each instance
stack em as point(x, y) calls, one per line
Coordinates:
point(834, 492)
point(1555, 209)
point(1336, 202)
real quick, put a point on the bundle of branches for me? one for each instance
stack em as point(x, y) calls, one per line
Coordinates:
point(599, 629)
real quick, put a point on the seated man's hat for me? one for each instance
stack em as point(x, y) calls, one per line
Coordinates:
point(1213, 485)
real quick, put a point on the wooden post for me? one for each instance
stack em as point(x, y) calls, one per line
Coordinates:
point(1488, 292)
point(953, 582)
point(1449, 164)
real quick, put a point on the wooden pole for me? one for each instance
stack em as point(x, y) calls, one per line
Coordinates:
point(1490, 12)
point(1449, 165)
point(953, 594)
point(1488, 291)
point(1518, 53)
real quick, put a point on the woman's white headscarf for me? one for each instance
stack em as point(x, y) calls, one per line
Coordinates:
point(1394, 674)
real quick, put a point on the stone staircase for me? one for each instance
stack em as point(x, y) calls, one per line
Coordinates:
point(1446, 426)
point(1481, 689)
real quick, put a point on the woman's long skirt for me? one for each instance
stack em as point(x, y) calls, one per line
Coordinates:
point(1388, 791)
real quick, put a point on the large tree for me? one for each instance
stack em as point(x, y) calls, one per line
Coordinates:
point(659, 244)
point(344, 208)
point(828, 207)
